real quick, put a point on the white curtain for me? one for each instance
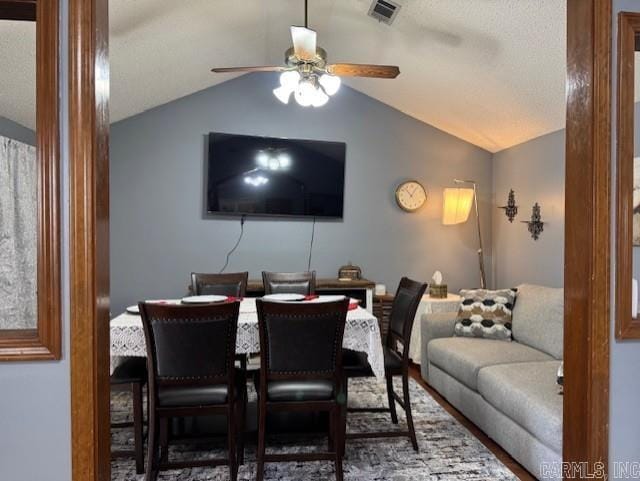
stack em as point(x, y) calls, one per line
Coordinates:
point(18, 235)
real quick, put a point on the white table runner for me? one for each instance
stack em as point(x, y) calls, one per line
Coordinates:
point(362, 334)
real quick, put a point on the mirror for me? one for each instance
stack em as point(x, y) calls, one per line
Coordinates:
point(628, 179)
point(29, 181)
point(18, 177)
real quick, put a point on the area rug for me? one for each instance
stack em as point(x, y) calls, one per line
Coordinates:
point(448, 451)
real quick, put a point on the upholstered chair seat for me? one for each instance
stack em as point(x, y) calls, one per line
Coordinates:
point(356, 363)
point(316, 390)
point(196, 395)
point(132, 369)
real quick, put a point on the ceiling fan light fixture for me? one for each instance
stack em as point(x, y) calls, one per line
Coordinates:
point(283, 94)
point(330, 83)
point(306, 73)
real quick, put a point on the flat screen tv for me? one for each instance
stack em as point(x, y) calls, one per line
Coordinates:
point(269, 176)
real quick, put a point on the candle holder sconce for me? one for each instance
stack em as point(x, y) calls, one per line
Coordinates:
point(535, 225)
point(511, 209)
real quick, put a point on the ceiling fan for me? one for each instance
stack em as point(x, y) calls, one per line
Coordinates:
point(307, 75)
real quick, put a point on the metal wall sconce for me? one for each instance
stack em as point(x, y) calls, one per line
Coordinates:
point(535, 225)
point(511, 209)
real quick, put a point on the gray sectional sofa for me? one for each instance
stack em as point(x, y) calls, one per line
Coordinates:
point(508, 389)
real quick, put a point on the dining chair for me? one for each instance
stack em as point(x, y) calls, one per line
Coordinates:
point(301, 370)
point(289, 282)
point(396, 361)
point(131, 376)
point(190, 359)
point(231, 284)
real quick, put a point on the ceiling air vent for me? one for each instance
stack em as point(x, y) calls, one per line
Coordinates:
point(384, 11)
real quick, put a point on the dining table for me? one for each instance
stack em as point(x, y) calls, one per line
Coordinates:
point(361, 334)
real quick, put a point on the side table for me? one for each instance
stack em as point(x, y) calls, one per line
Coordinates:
point(382, 309)
point(429, 305)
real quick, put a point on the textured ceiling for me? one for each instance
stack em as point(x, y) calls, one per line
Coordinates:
point(489, 71)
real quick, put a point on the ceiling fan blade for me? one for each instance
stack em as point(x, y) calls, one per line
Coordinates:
point(304, 42)
point(363, 70)
point(267, 68)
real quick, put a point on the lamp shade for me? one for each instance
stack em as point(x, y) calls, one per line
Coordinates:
point(456, 205)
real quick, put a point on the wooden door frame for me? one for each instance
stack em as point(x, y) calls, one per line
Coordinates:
point(89, 238)
point(587, 328)
point(587, 238)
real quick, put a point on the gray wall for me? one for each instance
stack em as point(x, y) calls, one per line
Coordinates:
point(158, 234)
point(13, 130)
point(624, 422)
point(535, 171)
point(35, 405)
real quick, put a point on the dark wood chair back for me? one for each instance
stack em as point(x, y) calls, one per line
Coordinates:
point(403, 312)
point(232, 284)
point(190, 345)
point(289, 282)
point(301, 341)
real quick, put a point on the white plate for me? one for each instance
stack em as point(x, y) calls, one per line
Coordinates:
point(135, 309)
point(203, 299)
point(284, 297)
point(327, 299)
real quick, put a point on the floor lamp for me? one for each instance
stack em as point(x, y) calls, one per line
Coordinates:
point(456, 208)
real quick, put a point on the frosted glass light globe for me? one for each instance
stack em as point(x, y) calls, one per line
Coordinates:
point(319, 98)
point(330, 83)
point(305, 93)
point(290, 79)
point(283, 94)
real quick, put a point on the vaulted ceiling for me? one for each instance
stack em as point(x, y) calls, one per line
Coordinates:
point(491, 72)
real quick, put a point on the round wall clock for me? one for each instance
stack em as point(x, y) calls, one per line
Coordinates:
point(411, 195)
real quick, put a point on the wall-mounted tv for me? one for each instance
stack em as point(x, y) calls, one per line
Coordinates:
point(250, 175)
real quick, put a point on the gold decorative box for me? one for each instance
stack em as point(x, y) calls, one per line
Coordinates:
point(350, 272)
point(438, 291)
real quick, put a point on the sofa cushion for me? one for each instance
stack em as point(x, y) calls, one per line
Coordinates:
point(463, 357)
point(485, 314)
point(526, 393)
point(538, 318)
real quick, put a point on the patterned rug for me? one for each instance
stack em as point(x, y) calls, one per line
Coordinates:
point(448, 451)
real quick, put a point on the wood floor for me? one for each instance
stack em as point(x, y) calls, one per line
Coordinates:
point(500, 453)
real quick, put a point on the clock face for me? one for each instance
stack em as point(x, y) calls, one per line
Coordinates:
point(410, 196)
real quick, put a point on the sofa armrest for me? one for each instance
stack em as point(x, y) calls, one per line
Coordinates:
point(434, 326)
